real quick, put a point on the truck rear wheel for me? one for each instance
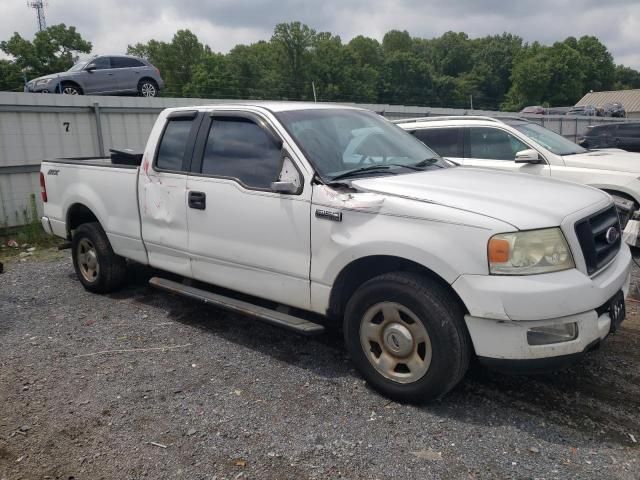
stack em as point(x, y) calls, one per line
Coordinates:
point(98, 268)
point(406, 335)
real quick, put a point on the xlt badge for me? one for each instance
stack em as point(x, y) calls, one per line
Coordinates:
point(329, 215)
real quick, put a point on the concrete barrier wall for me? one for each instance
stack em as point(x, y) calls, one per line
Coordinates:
point(34, 127)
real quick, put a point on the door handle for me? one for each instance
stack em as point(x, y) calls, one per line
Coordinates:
point(197, 200)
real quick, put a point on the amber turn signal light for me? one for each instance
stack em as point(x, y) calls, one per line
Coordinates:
point(498, 250)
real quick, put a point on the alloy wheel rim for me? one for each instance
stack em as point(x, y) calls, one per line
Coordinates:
point(88, 260)
point(395, 342)
point(148, 90)
point(69, 91)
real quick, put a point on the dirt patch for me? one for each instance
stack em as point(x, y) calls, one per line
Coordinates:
point(141, 384)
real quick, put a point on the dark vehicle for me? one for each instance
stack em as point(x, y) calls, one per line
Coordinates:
point(614, 110)
point(105, 75)
point(535, 110)
point(584, 110)
point(613, 135)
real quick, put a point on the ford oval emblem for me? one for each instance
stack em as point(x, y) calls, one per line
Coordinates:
point(612, 235)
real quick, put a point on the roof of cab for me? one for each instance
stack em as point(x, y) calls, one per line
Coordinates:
point(272, 106)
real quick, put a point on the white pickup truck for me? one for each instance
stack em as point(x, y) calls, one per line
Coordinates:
point(328, 214)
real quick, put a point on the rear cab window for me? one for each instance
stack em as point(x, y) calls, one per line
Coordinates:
point(173, 152)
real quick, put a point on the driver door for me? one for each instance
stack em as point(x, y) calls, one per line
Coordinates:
point(495, 148)
point(100, 79)
point(244, 235)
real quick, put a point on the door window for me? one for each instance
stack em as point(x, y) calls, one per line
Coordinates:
point(101, 63)
point(444, 141)
point(125, 62)
point(493, 144)
point(173, 145)
point(238, 148)
point(629, 130)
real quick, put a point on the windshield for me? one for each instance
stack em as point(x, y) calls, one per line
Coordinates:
point(78, 66)
point(551, 141)
point(337, 141)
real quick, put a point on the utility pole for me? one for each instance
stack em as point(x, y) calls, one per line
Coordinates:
point(313, 86)
point(39, 5)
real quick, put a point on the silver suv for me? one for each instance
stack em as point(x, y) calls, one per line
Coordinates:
point(104, 75)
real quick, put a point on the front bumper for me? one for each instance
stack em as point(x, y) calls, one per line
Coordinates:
point(502, 309)
point(51, 87)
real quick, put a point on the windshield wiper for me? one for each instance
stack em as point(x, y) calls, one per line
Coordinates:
point(357, 171)
point(428, 162)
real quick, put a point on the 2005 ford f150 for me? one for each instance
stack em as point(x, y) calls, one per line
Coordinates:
point(321, 213)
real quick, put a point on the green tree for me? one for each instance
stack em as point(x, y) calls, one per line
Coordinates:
point(212, 77)
point(10, 76)
point(396, 41)
point(255, 68)
point(175, 60)
point(405, 79)
point(547, 76)
point(599, 69)
point(52, 50)
point(626, 78)
point(294, 41)
point(363, 64)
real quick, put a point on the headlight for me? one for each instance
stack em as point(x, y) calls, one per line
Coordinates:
point(44, 81)
point(529, 253)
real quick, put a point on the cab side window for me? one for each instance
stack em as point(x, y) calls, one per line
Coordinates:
point(493, 144)
point(125, 62)
point(237, 148)
point(173, 145)
point(102, 63)
point(446, 142)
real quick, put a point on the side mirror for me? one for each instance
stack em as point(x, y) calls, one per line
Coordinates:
point(527, 156)
point(289, 181)
point(284, 187)
point(90, 68)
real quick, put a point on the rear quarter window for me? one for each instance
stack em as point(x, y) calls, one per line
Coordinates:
point(173, 144)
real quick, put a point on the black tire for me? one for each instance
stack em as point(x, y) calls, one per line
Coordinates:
point(147, 88)
point(111, 270)
point(70, 89)
point(441, 314)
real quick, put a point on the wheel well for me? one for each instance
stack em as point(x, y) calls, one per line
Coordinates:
point(72, 83)
point(77, 215)
point(363, 269)
point(149, 79)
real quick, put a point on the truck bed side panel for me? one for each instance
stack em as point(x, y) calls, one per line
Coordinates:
point(109, 193)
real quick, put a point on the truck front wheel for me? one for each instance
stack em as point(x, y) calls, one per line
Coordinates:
point(98, 268)
point(406, 335)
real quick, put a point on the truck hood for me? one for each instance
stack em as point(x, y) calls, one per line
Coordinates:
point(605, 159)
point(524, 201)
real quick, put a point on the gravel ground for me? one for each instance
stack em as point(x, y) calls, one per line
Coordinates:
point(142, 384)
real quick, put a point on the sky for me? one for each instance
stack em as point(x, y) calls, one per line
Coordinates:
point(113, 24)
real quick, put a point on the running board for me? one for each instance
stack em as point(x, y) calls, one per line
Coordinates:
point(279, 319)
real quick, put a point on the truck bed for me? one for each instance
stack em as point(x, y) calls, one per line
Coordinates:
point(107, 189)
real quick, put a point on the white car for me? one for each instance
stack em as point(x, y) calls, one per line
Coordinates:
point(516, 145)
point(320, 214)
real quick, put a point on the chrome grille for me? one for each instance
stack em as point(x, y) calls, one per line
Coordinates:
point(597, 240)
